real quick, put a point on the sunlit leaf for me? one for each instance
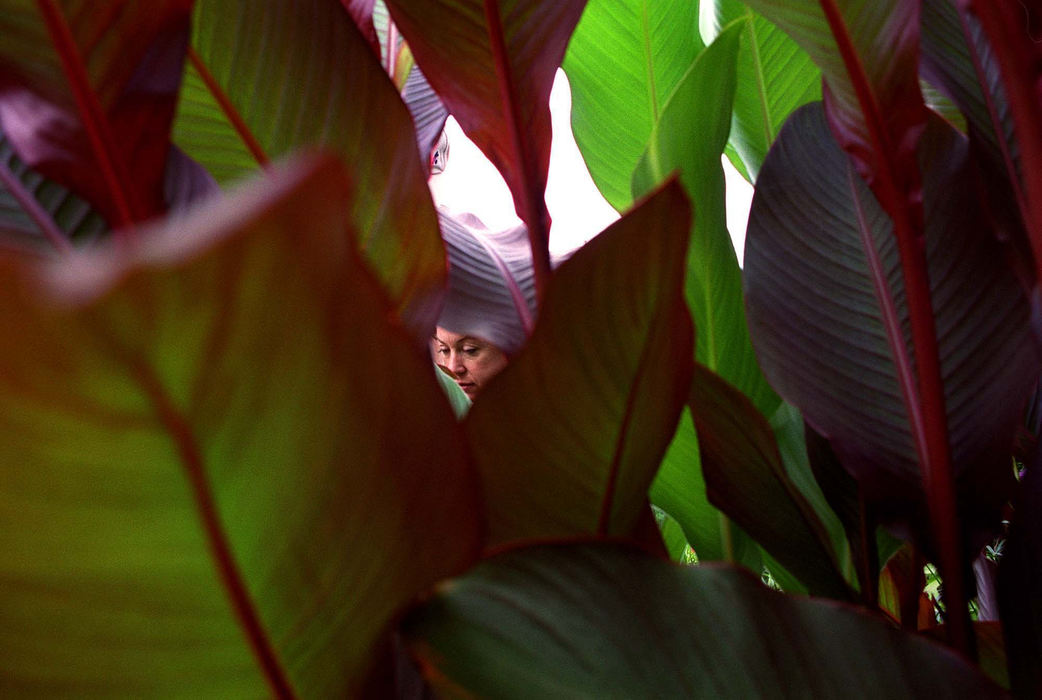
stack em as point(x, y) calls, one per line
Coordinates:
point(298, 74)
point(204, 492)
point(87, 95)
point(775, 76)
point(569, 436)
point(561, 620)
point(624, 61)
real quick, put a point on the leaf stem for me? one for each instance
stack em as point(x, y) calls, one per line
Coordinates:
point(93, 118)
point(230, 111)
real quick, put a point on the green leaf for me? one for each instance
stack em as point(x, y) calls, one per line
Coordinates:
point(293, 75)
point(568, 437)
point(204, 493)
point(648, 46)
point(601, 620)
point(746, 479)
point(689, 137)
point(827, 308)
point(775, 76)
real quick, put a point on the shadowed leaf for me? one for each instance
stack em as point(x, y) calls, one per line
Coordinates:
point(87, 96)
point(493, 64)
point(828, 317)
point(298, 74)
point(561, 620)
point(569, 436)
point(204, 493)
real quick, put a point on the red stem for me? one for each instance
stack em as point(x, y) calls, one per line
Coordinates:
point(932, 445)
point(533, 205)
point(225, 103)
point(93, 117)
point(36, 212)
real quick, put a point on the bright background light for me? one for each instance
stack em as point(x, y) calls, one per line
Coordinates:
point(471, 183)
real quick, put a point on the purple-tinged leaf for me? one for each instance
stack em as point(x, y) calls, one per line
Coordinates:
point(602, 620)
point(829, 320)
point(746, 479)
point(428, 114)
point(361, 12)
point(493, 63)
point(301, 74)
point(1020, 585)
point(569, 436)
point(87, 96)
point(204, 493)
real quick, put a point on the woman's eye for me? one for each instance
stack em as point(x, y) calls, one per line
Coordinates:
point(442, 351)
point(471, 351)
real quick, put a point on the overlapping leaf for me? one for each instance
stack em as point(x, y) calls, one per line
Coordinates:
point(561, 620)
point(775, 76)
point(624, 61)
point(204, 492)
point(828, 314)
point(299, 74)
point(88, 95)
point(569, 437)
point(493, 63)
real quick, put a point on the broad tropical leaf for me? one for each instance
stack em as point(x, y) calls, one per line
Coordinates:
point(204, 492)
point(829, 317)
point(361, 12)
point(569, 436)
point(775, 76)
point(649, 46)
point(87, 95)
point(261, 84)
point(561, 620)
point(746, 479)
point(714, 282)
point(493, 64)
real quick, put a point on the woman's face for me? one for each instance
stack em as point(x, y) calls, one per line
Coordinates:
point(471, 361)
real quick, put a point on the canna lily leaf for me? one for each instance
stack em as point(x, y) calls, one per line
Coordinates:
point(87, 96)
point(775, 76)
point(361, 12)
point(868, 52)
point(746, 479)
point(203, 491)
point(649, 46)
point(560, 621)
point(493, 65)
point(714, 282)
point(568, 437)
point(261, 84)
point(828, 316)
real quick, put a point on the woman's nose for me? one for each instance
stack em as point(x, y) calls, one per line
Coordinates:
point(456, 364)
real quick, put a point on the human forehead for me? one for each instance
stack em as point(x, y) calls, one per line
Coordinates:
point(447, 337)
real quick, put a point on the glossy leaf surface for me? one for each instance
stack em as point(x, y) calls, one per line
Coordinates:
point(828, 315)
point(569, 436)
point(204, 492)
point(493, 64)
point(297, 74)
point(649, 46)
point(775, 76)
point(561, 620)
point(87, 95)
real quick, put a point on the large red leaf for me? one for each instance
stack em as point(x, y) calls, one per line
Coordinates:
point(601, 620)
point(569, 436)
point(828, 312)
point(204, 491)
point(87, 94)
point(298, 74)
point(493, 63)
